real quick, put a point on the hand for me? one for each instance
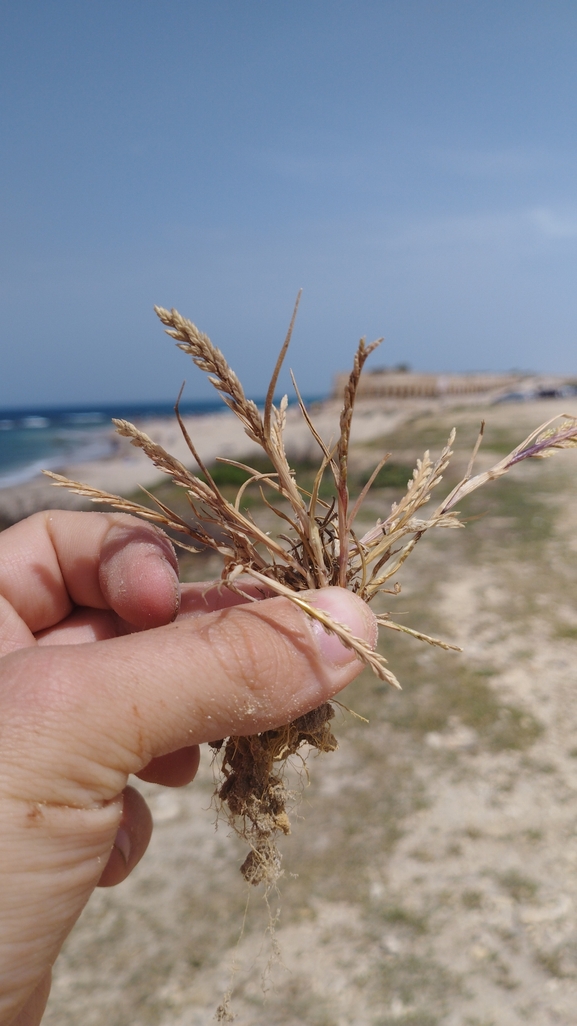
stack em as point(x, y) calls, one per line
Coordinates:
point(107, 669)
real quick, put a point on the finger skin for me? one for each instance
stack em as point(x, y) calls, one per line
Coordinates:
point(14, 632)
point(104, 710)
point(51, 858)
point(131, 841)
point(81, 626)
point(173, 770)
point(85, 624)
point(35, 1006)
point(99, 560)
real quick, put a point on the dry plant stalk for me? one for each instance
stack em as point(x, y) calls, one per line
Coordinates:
point(319, 548)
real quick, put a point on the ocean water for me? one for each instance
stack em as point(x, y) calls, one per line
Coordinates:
point(38, 439)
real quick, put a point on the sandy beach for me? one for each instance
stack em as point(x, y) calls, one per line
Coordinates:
point(214, 435)
point(217, 434)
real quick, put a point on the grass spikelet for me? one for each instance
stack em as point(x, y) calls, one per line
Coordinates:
point(321, 548)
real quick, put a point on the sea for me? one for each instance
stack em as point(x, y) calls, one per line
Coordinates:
point(42, 438)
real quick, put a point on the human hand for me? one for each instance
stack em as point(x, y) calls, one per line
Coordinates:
point(108, 668)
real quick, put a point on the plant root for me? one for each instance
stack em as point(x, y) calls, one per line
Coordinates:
point(254, 795)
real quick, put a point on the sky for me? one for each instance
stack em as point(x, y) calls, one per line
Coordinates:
point(410, 164)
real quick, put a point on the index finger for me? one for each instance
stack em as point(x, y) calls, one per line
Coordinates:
point(56, 560)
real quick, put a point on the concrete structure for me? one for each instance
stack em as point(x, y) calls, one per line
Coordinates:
point(405, 385)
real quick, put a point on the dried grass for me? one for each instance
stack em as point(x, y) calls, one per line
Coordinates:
point(319, 547)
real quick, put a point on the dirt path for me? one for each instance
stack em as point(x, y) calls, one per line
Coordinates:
point(431, 874)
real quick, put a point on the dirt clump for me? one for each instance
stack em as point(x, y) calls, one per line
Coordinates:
point(255, 797)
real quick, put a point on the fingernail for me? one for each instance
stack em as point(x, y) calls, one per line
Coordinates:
point(122, 843)
point(345, 608)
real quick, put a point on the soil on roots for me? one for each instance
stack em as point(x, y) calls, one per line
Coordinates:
point(254, 792)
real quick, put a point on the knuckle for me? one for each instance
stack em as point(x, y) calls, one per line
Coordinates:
point(253, 656)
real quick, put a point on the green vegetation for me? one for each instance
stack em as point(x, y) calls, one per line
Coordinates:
point(392, 475)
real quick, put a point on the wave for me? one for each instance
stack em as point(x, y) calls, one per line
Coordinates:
point(95, 449)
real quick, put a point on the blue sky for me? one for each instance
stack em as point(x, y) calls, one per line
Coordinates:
point(410, 164)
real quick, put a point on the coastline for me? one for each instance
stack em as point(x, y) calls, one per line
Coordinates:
point(125, 467)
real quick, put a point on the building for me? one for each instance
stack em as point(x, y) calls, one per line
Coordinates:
point(405, 384)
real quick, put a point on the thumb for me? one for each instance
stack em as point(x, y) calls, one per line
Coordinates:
point(104, 710)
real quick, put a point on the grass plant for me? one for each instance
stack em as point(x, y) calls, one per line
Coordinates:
point(318, 545)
